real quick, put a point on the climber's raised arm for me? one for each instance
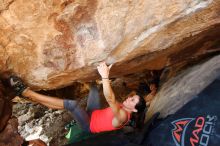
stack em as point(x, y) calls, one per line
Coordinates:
point(119, 113)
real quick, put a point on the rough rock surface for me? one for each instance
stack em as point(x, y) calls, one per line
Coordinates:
point(38, 122)
point(56, 42)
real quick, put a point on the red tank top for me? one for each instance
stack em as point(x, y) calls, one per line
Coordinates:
point(101, 120)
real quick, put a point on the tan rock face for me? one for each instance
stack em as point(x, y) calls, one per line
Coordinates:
point(52, 43)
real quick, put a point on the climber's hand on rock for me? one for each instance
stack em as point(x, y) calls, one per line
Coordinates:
point(103, 70)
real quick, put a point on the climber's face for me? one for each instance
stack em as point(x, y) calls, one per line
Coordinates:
point(131, 102)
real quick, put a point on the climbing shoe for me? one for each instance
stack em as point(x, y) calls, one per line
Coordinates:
point(17, 84)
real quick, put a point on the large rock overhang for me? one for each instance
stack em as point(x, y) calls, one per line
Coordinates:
point(51, 44)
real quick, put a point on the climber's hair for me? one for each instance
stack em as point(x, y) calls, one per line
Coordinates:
point(141, 105)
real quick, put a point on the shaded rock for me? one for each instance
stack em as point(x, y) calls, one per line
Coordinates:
point(10, 136)
point(5, 106)
point(179, 90)
point(5, 113)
